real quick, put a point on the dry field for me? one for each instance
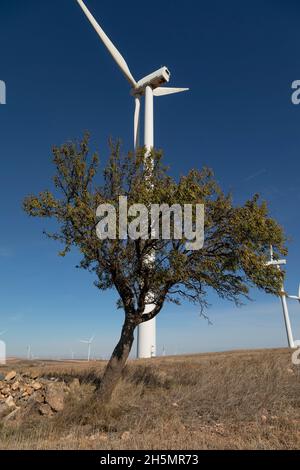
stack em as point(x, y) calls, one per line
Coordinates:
point(233, 400)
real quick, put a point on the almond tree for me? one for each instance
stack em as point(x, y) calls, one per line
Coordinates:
point(232, 260)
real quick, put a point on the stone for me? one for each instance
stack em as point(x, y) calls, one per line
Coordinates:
point(10, 402)
point(54, 396)
point(264, 418)
point(10, 376)
point(37, 397)
point(74, 384)
point(15, 386)
point(34, 375)
point(5, 391)
point(2, 377)
point(45, 409)
point(36, 386)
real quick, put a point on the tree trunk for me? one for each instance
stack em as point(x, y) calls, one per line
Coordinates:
point(117, 362)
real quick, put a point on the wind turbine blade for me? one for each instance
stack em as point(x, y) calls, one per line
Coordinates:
point(85, 342)
point(299, 292)
point(119, 59)
point(271, 252)
point(137, 122)
point(162, 91)
point(92, 339)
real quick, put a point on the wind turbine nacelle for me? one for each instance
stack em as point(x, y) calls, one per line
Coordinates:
point(280, 262)
point(155, 80)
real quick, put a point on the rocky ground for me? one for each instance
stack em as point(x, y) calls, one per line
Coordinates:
point(232, 400)
point(22, 394)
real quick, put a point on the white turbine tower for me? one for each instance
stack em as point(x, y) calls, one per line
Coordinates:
point(89, 343)
point(149, 86)
point(29, 354)
point(2, 349)
point(283, 296)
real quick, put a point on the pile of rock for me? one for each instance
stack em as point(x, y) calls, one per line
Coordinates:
point(29, 392)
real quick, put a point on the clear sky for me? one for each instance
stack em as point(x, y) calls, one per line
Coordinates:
point(239, 60)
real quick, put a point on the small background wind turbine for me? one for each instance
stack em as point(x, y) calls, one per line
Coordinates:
point(283, 296)
point(89, 343)
point(149, 86)
point(295, 297)
point(29, 353)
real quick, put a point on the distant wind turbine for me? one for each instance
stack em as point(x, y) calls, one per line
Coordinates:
point(89, 343)
point(29, 355)
point(295, 297)
point(283, 295)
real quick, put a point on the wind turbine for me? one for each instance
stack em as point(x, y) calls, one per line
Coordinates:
point(295, 297)
point(29, 354)
point(283, 296)
point(89, 343)
point(148, 87)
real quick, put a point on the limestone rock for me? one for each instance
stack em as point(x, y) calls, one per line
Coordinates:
point(36, 385)
point(55, 396)
point(34, 375)
point(37, 397)
point(5, 391)
point(10, 402)
point(74, 385)
point(264, 418)
point(15, 386)
point(45, 409)
point(10, 376)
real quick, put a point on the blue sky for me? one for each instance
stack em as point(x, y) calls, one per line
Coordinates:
point(239, 60)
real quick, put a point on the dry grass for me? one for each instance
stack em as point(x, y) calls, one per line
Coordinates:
point(235, 400)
